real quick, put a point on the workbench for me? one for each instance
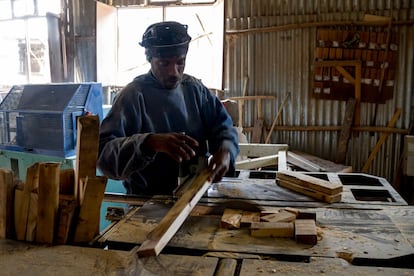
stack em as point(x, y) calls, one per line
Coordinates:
point(371, 230)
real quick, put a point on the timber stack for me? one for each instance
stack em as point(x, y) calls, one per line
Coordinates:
point(55, 206)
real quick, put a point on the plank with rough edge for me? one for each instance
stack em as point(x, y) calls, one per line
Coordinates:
point(21, 217)
point(158, 238)
point(48, 201)
point(272, 229)
point(86, 150)
point(307, 181)
point(89, 215)
point(311, 193)
point(6, 202)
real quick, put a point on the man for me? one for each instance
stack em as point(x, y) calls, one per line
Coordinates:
point(164, 118)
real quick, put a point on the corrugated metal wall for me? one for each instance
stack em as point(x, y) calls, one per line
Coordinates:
point(270, 47)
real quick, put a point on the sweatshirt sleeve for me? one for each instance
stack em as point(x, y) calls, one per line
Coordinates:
point(120, 140)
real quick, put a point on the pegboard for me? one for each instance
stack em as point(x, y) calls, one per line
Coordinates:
point(376, 50)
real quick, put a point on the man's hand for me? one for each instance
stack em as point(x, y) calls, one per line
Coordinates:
point(178, 146)
point(219, 165)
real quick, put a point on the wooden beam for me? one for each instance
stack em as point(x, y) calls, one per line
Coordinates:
point(381, 141)
point(257, 162)
point(32, 183)
point(345, 132)
point(259, 150)
point(279, 112)
point(310, 182)
point(282, 161)
point(48, 202)
point(89, 215)
point(310, 192)
point(86, 150)
point(6, 203)
point(158, 238)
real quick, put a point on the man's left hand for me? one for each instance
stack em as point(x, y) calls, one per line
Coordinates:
point(219, 165)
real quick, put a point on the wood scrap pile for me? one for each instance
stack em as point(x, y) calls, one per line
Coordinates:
point(283, 223)
point(314, 187)
point(55, 206)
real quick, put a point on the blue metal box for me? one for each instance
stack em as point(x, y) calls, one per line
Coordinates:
point(41, 118)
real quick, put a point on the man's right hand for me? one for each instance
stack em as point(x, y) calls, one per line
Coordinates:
point(178, 146)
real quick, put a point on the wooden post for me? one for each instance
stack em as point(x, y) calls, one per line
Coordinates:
point(48, 201)
point(21, 218)
point(345, 131)
point(87, 144)
point(89, 216)
point(6, 203)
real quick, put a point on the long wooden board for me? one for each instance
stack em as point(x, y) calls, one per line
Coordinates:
point(158, 238)
point(317, 184)
point(312, 193)
point(6, 202)
point(48, 201)
point(32, 183)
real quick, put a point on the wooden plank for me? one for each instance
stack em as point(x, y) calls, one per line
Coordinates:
point(19, 225)
point(32, 217)
point(345, 132)
point(272, 229)
point(258, 162)
point(381, 141)
point(226, 266)
point(67, 182)
point(311, 182)
point(67, 209)
point(305, 231)
point(86, 149)
point(89, 215)
point(302, 162)
point(282, 160)
point(312, 163)
point(6, 203)
point(310, 192)
point(231, 218)
point(279, 112)
point(257, 131)
point(169, 225)
point(259, 150)
point(31, 184)
point(48, 201)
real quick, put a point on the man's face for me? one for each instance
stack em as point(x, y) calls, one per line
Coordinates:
point(169, 70)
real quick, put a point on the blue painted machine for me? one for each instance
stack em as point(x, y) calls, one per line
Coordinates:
point(41, 118)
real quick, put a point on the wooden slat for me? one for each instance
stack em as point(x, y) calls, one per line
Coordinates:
point(67, 209)
point(169, 225)
point(310, 182)
point(89, 215)
point(381, 141)
point(257, 162)
point(32, 217)
point(345, 132)
point(48, 201)
point(282, 160)
point(257, 131)
point(259, 150)
point(32, 183)
point(86, 149)
point(6, 203)
point(311, 193)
